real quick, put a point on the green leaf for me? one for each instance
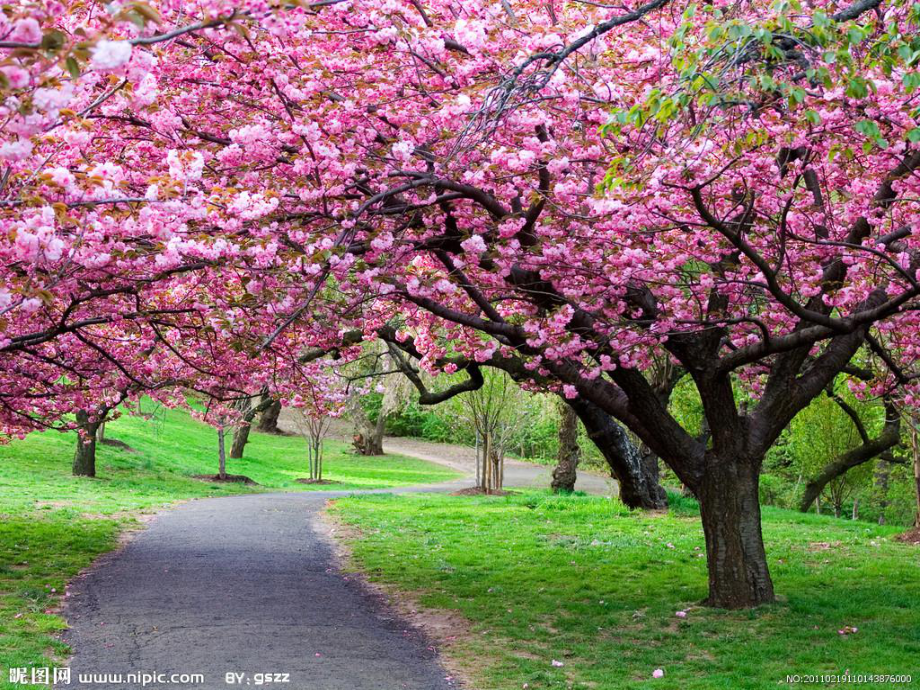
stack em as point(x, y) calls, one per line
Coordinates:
point(73, 67)
point(53, 41)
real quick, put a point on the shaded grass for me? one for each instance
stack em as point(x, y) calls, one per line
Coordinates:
point(52, 524)
point(583, 581)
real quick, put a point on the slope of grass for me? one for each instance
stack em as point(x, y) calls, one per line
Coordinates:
point(582, 581)
point(53, 524)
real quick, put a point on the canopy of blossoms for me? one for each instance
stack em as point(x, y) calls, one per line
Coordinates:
point(196, 193)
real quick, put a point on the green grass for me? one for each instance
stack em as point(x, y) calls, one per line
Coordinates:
point(583, 581)
point(52, 524)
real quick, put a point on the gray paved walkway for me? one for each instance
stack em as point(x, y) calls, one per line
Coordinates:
point(242, 584)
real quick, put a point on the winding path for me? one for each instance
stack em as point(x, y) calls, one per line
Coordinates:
point(463, 458)
point(249, 585)
point(244, 584)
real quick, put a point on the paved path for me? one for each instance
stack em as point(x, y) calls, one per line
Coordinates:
point(463, 458)
point(242, 584)
point(247, 585)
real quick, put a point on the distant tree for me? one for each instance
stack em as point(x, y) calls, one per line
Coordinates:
point(913, 432)
point(376, 366)
point(268, 422)
point(494, 412)
point(313, 427)
point(837, 445)
point(248, 413)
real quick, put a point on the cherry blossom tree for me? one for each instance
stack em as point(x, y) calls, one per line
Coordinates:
point(569, 193)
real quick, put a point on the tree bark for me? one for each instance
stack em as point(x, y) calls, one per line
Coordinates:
point(240, 438)
point(565, 472)
point(221, 454)
point(241, 432)
point(915, 456)
point(268, 422)
point(639, 487)
point(882, 478)
point(730, 510)
point(84, 459)
point(368, 438)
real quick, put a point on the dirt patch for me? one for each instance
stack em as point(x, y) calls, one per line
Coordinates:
point(238, 478)
point(443, 627)
point(115, 443)
point(477, 491)
point(49, 505)
point(316, 481)
point(911, 536)
point(823, 545)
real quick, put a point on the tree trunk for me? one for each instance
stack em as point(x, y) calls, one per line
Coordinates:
point(565, 473)
point(368, 438)
point(915, 453)
point(486, 475)
point(84, 459)
point(730, 509)
point(240, 438)
point(882, 479)
point(639, 487)
point(241, 433)
point(100, 432)
point(268, 422)
point(221, 454)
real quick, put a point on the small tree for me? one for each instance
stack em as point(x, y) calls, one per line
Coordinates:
point(324, 399)
point(313, 427)
point(494, 412)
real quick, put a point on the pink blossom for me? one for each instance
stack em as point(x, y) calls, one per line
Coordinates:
point(110, 55)
point(15, 150)
point(26, 30)
point(658, 673)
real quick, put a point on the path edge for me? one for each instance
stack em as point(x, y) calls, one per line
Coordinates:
point(339, 533)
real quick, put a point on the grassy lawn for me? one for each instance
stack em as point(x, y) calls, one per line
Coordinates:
point(582, 581)
point(52, 524)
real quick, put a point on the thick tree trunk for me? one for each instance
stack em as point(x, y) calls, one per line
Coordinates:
point(268, 422)
point(84, 459)
point(639, 487)
point(565, 472)
point(241, 433)
point(368, 438)
point(730, 509)
point(240, 438)
point(368, 445)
